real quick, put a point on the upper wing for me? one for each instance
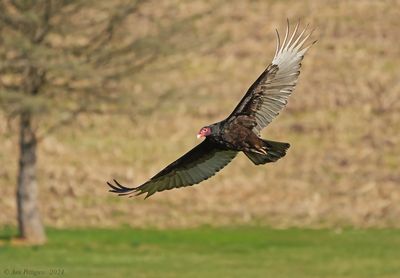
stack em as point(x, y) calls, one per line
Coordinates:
point(200, 163)
point(269, 93)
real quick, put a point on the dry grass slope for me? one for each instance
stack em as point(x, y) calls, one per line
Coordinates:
point(342, 123)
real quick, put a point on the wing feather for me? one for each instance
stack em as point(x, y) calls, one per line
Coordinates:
point(270, 92)
point(200, 163)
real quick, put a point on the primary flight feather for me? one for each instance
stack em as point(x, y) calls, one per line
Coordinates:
point(240, 131)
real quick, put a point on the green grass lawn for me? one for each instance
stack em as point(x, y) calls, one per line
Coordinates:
point(208, 252)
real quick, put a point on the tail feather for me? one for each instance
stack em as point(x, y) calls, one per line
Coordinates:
point(275, 150)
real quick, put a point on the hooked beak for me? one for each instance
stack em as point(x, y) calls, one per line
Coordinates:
point(199, 136)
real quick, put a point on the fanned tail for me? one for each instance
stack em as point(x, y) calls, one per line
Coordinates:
point(275, 150)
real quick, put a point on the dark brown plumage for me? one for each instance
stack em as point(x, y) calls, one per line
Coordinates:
point(240, 131)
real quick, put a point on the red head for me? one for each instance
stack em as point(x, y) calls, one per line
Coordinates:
point(204, 131)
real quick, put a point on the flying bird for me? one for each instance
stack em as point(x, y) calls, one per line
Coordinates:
point(240, 131)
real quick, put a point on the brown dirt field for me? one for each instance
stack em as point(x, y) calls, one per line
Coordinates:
point(343, 123)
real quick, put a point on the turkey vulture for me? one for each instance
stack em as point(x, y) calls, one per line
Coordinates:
point(240, 131)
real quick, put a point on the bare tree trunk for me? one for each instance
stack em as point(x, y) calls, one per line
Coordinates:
point(29, 222)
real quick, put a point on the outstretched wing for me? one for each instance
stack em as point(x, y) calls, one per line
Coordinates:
point(270, 92)
point(199, 164)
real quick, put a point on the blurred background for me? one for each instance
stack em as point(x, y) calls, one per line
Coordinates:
point(119, 89)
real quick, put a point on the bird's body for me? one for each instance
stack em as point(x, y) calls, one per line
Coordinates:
point(236, 133)
point(240, 131)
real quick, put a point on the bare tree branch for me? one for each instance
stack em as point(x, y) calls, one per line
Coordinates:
point(106, 35)
point(44, 29)
point(62, 122)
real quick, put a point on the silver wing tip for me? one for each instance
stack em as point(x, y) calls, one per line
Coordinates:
point(292, 42)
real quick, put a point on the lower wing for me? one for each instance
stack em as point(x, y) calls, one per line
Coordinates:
point(200, 163)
